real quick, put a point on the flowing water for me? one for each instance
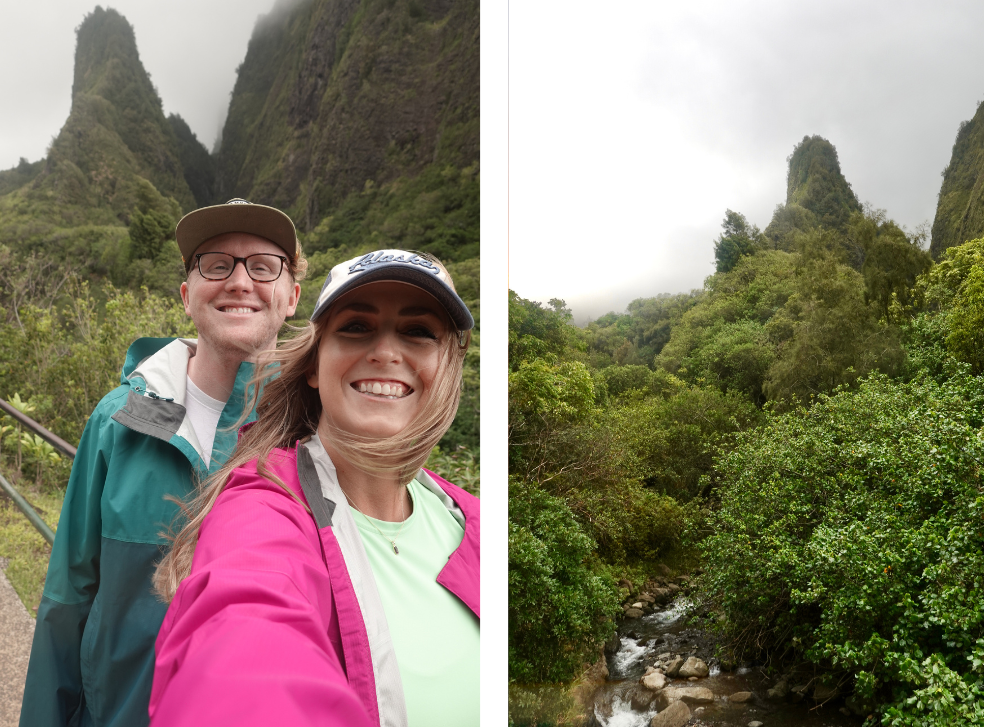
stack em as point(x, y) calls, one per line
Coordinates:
point(664, 632)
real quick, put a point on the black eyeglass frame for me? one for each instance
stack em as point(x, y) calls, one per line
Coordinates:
point(237, 260)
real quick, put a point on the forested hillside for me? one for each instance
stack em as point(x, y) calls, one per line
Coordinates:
point(359, 118)
point(805, 431)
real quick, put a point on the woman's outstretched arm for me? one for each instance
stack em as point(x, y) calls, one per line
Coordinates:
point(251, 637)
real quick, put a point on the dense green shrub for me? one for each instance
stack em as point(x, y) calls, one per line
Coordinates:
point(676, 439)
point(67, 360)
point(851, 534)
point(561, 601)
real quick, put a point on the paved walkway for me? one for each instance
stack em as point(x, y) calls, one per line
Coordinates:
point(16, 634)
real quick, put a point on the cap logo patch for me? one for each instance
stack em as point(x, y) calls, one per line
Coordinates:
point(367, 261)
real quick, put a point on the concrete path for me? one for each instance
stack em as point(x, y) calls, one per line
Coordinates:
point(16, 634)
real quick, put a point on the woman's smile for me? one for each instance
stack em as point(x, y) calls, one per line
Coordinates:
point(383, 389)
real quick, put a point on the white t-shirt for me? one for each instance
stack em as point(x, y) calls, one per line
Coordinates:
point(204, 413)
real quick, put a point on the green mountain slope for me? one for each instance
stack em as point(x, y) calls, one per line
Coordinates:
point(116, 134)
point(960, 209)
point(361, 120)
point(116, 156)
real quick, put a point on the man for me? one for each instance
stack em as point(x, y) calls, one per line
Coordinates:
point(171, 423)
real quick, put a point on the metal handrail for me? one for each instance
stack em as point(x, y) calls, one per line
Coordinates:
point(25, 507)
point(55, 441)
point(50, 437)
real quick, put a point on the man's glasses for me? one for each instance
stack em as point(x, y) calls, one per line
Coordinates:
point(262, 267)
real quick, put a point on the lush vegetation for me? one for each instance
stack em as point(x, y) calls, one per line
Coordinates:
point(849, 534)
point(601, 459)
point(807, 426)
point(310, 121)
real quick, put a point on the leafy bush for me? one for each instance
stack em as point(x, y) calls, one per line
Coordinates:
point(850, 534)
point(561, 602)
point(966, 338)
point(459, 467)
point(67, 362)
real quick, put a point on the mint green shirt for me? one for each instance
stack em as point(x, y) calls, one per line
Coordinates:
point(434, 634)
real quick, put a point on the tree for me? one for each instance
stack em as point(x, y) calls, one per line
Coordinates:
point(561, 604)
point(889, 260)
point(148, 233)
point(738, 238)
point(849, 535)
point(966, 338)
point(535, 331)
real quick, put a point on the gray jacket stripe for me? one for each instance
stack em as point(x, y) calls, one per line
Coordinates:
point(155, 418)
point(389, 686)
point(307, 473)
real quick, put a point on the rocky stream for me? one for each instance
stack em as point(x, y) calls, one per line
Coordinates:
point(664, 672)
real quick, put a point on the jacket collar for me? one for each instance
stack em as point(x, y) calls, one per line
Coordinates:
point(156, 370)
point(159, 366)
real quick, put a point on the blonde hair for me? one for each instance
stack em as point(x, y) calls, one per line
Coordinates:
point(289, 410)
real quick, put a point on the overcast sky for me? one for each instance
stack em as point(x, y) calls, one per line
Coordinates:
point(632, 130)
point(191, 49)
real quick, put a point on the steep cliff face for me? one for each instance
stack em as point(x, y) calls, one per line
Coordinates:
point(336, 97)
point(196, 163)
point(960, 209)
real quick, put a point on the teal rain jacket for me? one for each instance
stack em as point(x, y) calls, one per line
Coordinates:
point(92, 661)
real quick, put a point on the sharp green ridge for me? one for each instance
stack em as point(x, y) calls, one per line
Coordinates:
point(960, 209)
point(115, 156)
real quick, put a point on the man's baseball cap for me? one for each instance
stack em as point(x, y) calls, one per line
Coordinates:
point(236, 215)
point(400, 266)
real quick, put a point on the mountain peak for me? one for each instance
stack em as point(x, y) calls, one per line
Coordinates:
point(106, 54)
point(116, 151)
point(816, 183)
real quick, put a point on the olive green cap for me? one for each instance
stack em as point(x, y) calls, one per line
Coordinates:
point(236, 215)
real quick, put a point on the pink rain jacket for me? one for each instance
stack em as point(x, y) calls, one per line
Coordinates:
point(268, 628)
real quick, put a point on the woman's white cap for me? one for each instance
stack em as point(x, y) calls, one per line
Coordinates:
point(397, 265)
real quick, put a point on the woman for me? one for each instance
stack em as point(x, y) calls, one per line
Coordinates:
point(323, 577)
